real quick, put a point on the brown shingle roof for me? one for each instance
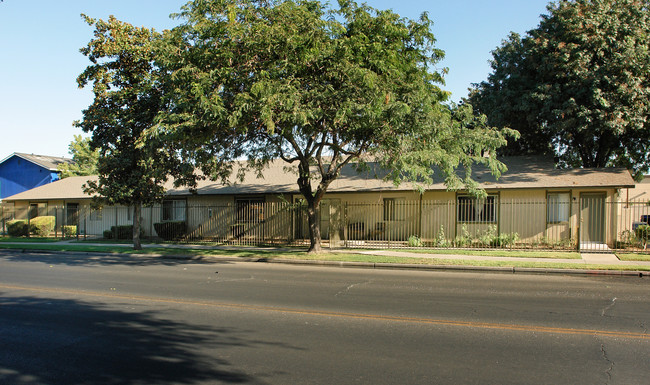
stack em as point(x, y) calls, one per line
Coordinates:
point(523, 173)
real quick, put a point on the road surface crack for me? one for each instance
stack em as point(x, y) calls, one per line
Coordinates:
point(608, 307)
point(611, 364)
point(347, 289)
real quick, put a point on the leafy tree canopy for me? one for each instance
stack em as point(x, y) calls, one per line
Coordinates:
point(577, 86)
point(319, 88)
point(84, 159)
point(127, 97)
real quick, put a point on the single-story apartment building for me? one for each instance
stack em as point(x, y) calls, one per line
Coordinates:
point(533, 203)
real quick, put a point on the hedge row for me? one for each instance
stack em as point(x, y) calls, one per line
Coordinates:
point(41, 226)
point(121, 232)
point(170, 231)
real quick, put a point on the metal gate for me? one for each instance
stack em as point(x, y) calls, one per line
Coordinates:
point(592, 223)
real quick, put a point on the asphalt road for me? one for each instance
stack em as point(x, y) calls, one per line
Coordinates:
point(118, 320)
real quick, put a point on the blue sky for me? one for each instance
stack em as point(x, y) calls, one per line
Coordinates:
point(40, 59)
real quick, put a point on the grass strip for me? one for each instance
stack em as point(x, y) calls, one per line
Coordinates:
point(633, 257)
point(498, 253)
point(30, 239)
point(254, 254)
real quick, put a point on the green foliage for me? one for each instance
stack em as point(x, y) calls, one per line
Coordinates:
point(464, 239)
point(69, 231)
point(123, 232)
point(577, 86)
point(441, 238)
point(108, 234)
point(132, 165)
point(319, 88)
point(42, 226)
point(17, 228)
point(506, 239)
point(643, 233)
point(83, 156)
point(415, 241)
point(488, 236)
point(171, 231)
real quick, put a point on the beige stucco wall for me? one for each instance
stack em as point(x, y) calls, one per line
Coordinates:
point(362, 215)
point(633, 206)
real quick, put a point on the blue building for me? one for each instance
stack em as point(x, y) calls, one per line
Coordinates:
point(21, 172)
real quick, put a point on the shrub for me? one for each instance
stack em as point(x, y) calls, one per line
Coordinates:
point(42, 226)
point(441, 239)
point(171, 231)
point(124, 232)
point(69, 231)
point(643, 234)
point(489, 236)
point(464, 239)
point(506, 239)
point(415, 241)
point(17, 228)
point(108, 234)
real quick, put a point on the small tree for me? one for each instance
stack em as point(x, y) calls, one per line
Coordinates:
point(132, 168)
point(318, 88)
point(84, 159)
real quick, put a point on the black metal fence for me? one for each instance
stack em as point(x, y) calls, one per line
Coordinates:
point(588, 223)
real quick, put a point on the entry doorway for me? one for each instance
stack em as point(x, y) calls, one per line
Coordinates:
point(330, 220)
point(592, 221)
point(72, 214)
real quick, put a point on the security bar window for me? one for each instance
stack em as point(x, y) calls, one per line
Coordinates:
point(471, 209)
point(173, 210)
point(250, 209)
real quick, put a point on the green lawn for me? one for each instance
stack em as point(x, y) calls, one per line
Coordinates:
point(633, 257)
point(28, 240)
point(299, 254)
point(499, 253)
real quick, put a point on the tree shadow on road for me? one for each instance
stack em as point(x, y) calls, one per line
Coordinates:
point(97, 259)
point(66, 341)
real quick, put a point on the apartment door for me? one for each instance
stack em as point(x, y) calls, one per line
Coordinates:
point(330, 219)
point(592, 218)
point(72, 214)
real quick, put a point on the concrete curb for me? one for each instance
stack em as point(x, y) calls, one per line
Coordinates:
point(360, 265)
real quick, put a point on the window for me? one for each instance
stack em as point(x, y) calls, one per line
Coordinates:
point(37, 210)
point(558, 207)
point(250, 209)
point(173, 210)
point(472, 209)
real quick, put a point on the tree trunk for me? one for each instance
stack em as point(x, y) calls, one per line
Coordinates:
point(313, 211)
point(137, 211)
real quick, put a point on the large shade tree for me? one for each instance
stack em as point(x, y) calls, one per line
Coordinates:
point(319, 88)
point(577, 86)
point(132, 167)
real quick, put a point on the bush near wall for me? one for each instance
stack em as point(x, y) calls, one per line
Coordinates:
point(17, 228)
point(69, 231)
point(170, 231)
point(643, 234)
point(123, 232)
point(42, 226)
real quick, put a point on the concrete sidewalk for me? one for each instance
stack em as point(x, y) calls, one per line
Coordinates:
point(586, 258)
